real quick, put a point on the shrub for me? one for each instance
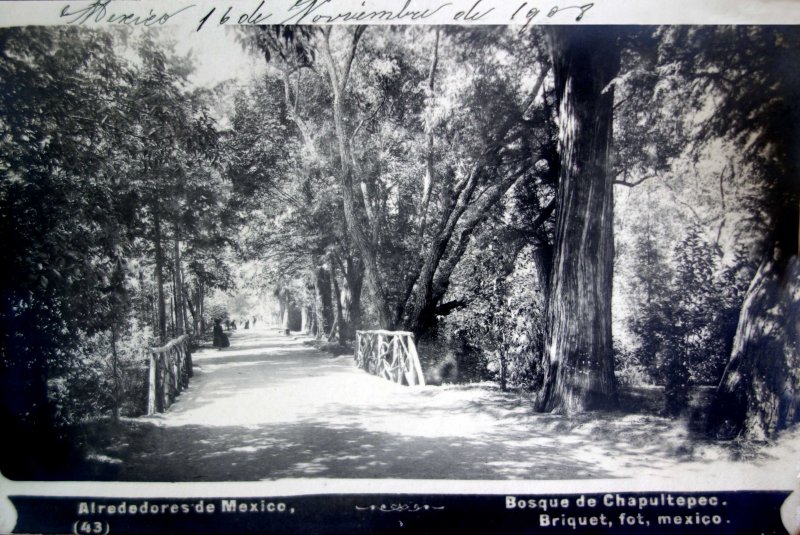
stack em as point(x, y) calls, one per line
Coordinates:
point(107, 375)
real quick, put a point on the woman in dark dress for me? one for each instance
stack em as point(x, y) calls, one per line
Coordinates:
point(219, 336)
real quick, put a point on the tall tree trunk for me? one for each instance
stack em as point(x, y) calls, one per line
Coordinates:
point(192, 311)
point(338, 76)
point(115, 371)
point(579, 363)
point(195, 307)
point(322, 288)
point(351, 296)
point(313, 328)
point(184, 307)
point(201, 300)
point(759, 393)
point(180, 311)
point(143, 309)
point(162, 307)
point(173, 310)
point(429, 176)
point(286, 311)
point(341, 323)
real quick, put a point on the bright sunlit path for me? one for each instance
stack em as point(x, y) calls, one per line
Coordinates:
point(271, 407)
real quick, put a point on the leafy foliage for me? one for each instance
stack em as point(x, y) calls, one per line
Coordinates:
point(100, 138)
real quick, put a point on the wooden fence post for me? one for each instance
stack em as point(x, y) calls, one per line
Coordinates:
point(169, 370)
point(412, 349)
point(163, 383)
point(189, 371)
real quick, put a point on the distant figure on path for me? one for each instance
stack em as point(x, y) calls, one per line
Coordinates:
point(254, 322)
point(246, 324)
point(233, 325)
point(220, 338)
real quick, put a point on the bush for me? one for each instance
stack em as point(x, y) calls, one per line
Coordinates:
point(94, 384)
point(677, 385)
point(500, 334)
point(629, 370)
point(447, 358)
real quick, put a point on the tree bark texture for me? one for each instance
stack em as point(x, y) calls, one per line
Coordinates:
point(351, 296)
point(579, 366)
point(341, 324)
point(285, 317)
point(304, 317)
point(322, 288)
point(759, 393)
point(162, 307)
point(180, 310)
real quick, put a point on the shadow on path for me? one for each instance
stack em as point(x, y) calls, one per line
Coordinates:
point(270, 407)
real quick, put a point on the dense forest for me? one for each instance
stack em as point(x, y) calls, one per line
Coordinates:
point(567, 212)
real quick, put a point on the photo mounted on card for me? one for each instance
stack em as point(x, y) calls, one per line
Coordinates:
point(345, 267)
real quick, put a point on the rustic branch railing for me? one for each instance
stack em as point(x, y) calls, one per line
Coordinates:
point(168, 373)
point(389, 354)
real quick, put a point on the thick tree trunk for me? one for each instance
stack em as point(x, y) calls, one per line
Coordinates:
point(579, 366)
point(341, 323)
point(322, 287)
point(115, 372)
point(351, 297)
point(286, 310)
point(312, 320)
point(759, 393)
point(173, 312)
point(421, 316)
point(192, 311)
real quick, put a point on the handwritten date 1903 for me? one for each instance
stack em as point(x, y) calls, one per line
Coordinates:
point(532, 12)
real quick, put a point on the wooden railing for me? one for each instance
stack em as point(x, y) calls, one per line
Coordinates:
point(168, 373)
point(389, 354)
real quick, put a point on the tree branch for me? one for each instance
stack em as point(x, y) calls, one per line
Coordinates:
point(632, 184)
point(357, 33)
point(446, 270)
point(446, 308)
point(429, 170)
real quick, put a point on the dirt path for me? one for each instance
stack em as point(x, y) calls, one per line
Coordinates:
point(270, 407)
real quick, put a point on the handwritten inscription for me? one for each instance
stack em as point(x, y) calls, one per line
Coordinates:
point(579, 11)
point(98, 12)
point(326, 12)
point(310, 11)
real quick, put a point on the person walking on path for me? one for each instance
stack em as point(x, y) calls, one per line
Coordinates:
point(220, 338)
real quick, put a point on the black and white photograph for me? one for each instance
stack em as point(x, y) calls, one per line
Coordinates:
point(304, 255)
